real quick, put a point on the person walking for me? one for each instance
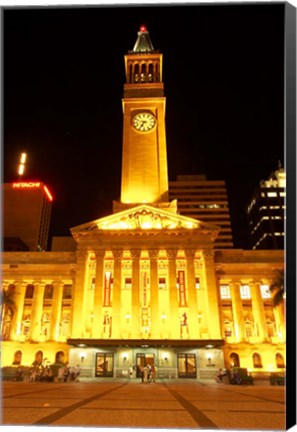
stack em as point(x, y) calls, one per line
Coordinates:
point(154, 373)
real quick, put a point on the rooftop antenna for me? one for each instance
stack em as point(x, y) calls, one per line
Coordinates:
point(22, 164)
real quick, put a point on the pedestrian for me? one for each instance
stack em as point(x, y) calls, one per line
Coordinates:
point(66, 372)
point(141, 370)
point(149, 372)
point(154, 373)
point(220, 375)
point(145, 373)
point(61, 374)
point(76, 373)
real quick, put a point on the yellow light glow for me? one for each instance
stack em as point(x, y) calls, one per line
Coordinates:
point(23, 158)
point(21, 169)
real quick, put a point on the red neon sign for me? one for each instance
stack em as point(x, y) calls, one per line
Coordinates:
point(33, 185)
point(26, 185)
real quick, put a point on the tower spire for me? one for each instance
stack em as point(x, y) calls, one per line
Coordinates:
point(143, 43)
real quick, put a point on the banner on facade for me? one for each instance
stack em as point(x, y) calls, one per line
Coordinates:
point(107, 289)
point(182, 288)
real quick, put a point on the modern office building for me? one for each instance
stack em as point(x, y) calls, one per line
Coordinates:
point(266, 212)
point(26, 215)
point(145, 284)
point(204, 200)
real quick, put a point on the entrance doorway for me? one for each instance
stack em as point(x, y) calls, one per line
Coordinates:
point(143, 360)
point(186, 365)
point(104, 364)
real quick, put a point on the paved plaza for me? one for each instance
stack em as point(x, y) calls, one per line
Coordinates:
point(167, 404)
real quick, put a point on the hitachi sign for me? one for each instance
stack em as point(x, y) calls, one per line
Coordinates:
point(26, 185)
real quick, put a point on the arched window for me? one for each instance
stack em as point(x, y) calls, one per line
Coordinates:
point(38, 358)
point(17, 358)
point(59, 357)
point(150, 72)
point(257, 361)
point(143, 73)
point(279, 361)
point(234, 360)
point(136, 73)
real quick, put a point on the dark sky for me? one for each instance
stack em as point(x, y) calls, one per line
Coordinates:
point(63, 84)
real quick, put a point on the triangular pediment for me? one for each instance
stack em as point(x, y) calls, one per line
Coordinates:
point(144, 217)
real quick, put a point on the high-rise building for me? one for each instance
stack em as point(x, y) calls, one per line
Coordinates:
point(26, 215)
point(204, 200)
point(266, 212)
point(144, 285)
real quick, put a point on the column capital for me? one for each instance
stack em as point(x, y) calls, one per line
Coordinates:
point(135, 254)
point(189, 254)
point(100, 253)
point(81, 254)
point(171, 254)
point(117, 254)
point(153, 254)
point(207, 253)
point(57, 282)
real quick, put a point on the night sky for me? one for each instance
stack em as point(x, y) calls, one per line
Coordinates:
point(63, 84)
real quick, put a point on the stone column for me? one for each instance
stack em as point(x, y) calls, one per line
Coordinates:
point(258, 311)
point(56, 310)
point(173, 298)
point(116, 300)
point(19, 298)
point(212, 300)
point(79, 295)
point(136, 317)
point(36, 310)
point(98, 295)
point(279, 315)
point(154, 298)
point(237, 311)
point(192, 295)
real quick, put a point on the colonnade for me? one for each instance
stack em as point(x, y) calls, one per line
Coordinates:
point(258, 312)
point(35, 308)
point(82, 309)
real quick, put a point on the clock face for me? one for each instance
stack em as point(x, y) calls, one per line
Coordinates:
point(144, 122)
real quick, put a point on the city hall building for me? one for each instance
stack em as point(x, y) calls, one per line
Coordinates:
point(144, 285)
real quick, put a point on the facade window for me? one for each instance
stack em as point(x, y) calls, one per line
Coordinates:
point(128, 283)
point(45, 326)
point(162, 283)
point(225, 291)
point(234, 360)
point(228, 329)
point(67, 292)
point(17, 358)
point(197, 282)
point(265, 292)
point(245, 292)
point(270, 329)
point(26, 328)
point(93, 283)
point(272, 194)
point(29, 291)
point(48, 292)
point(279, 361)
point(249, 329)
point(257, 361)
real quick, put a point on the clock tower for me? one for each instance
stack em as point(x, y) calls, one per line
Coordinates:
point(144, 158)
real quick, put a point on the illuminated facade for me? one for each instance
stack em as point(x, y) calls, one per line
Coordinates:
point(145, 284)
point(205, 200)
point(266, 212)
point(27, 209)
